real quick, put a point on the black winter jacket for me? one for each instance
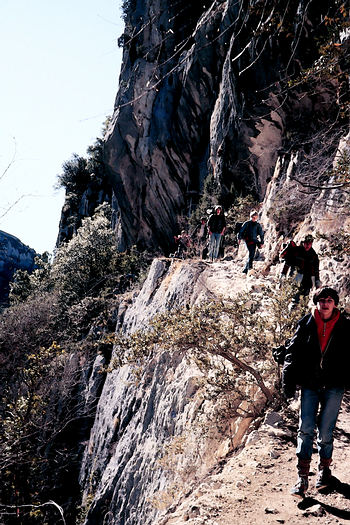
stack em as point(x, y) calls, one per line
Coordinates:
point(305, 365)
point(216, 223)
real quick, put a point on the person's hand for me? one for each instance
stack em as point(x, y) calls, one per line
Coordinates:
point(318, 283)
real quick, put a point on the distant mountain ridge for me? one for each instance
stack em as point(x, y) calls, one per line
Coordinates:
point(14, 255)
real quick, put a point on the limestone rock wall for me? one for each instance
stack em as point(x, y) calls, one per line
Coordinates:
point(153, 436)
point(205, 90)
point(290, 212)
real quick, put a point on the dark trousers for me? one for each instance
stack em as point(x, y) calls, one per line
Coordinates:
point(251, 255)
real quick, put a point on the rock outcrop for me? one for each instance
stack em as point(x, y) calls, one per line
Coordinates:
point(229, 92)
point(14, 255)
point(224, 90)
point(149, 442)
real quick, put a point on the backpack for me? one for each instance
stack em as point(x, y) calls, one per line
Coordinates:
point(238, 227)
point(287, 250)
point(279, 354)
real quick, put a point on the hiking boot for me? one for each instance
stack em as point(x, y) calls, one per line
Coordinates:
point(324, 475)
point(300, 487)
point(302, 484)
point(323, 478)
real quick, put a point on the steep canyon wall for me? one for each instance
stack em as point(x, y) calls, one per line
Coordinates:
point(213, 90)
point(14, 255)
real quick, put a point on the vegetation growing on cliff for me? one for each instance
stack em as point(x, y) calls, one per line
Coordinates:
point(238, 331)
point(48, 336)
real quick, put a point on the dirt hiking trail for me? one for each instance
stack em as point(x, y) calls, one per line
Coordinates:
point(253, 485)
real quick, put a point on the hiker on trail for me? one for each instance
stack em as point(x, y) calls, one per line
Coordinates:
point(317, 359)
point(199, 237)
point(307, 264)
point(250, 232)
point(216, 229)
point(183, 242)
point(288, 256)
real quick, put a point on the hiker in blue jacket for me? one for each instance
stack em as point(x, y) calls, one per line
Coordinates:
point(250, 232)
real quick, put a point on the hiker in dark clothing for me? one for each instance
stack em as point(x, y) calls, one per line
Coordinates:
point(288, 256)
point(216, 228)
point(250, 232)
point(317, 359)
point(307, 263)
point(183, 242)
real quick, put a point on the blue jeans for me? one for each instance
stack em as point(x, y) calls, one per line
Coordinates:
point(329, 401)
point(251, 255)
point(214, 245)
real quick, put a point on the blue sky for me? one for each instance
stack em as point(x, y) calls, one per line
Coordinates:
point(60, 69)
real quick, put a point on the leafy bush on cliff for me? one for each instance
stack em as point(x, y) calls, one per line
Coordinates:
point(48, 335)
point(90, 262)
point(24, 283)
point(88, 265)
point(238, 331)
point(75, 174)
point(127, 7)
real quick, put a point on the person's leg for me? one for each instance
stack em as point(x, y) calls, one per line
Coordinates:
point(251, 252)
point(309, 402)
point(330, 405)
point(330, 402)
point(308, 412)
point(217, 244)
point(211, 246)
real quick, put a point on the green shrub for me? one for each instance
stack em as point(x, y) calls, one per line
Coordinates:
point(238, 331)
point(25, 284)
point(75, 174)
point(90, 262)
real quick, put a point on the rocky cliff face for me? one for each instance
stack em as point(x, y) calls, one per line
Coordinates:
point(155, 437)
point(216, 89)
point(233, 91)
point(14, 255)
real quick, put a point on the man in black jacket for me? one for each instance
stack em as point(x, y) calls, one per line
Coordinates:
point(317, 359)
point(307, 263)
point(216, 229)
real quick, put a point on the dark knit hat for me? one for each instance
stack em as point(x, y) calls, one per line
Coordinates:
point(322, 293)
point(308, 238)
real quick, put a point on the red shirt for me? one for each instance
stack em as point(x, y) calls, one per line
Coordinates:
point(324, 328)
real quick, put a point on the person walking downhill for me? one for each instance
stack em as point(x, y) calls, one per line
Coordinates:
point(250, 232)
point(307, 263)
point(216, 228)
point(317, 359)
